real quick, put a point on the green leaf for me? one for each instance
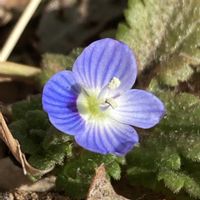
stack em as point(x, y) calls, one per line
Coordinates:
point(144, 30)
point(75, 177)
point(182, 109)
point(138, 170)
point(170, 159)
point(37, 119)
point(114, 170)
point(38, 134)
point(172, 180)
point(174, 70)
point(45, 145)
point(191, 148)
point(192, 187)
point(53, 63)
point(58, 152)
point(20, 131)
point(172, 148)
point(76, 174)
point(181, 125)
point(146, 161)
point(18, 127)
point(19, 109)
point(55, 137)
point(40, 161)
point(165, 35)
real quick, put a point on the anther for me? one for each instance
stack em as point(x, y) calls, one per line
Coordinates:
point(114, 83)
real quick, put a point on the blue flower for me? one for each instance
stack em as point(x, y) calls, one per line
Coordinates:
point(95, 103)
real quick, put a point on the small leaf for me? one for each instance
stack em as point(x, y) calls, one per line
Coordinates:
point(20, 132)
point(76, 174)
point(114, 170)
point(175, 70)
point(191, 148)
point(37, 119)
point(172, 180)
point(20, 108)
point(137, 170)
point(53, 63)
point(41, 162)
point(192, 187)
point(19, 128)
point(170, 159)
point(55, 137)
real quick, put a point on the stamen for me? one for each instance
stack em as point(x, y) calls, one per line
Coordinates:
point(112, 103)
point(114, 83)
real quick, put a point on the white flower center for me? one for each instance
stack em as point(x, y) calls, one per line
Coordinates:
point(112, 102)
point(92, 106)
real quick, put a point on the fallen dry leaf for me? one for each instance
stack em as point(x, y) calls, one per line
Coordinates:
point(14, 147)
point(101, 188)
point(43, 185)
point(11, 175)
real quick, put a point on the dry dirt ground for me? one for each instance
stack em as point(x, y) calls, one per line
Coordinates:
point(23, 195)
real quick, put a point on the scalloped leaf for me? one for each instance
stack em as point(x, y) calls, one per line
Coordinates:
point(172, 148)
point(53, 63)
point(76, 175)
point(192, 187)
point(172, 180)
point(166, 33)
point(169, 158)
point(20, 108)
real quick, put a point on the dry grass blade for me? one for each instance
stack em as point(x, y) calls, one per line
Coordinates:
point(14, 147)
point(101, 188)
point(18, 29)
point(18, 71)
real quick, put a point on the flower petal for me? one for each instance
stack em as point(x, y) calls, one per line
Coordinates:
point(70, 123)
point(103, 60)
point(138, 108)
point(108, 137)
point(59, 101)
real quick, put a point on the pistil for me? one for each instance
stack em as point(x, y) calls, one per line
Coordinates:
point(111, 102)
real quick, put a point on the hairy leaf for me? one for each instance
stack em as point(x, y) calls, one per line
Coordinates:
point(165, 33)
point(172, 180)
point(76, 174)
point(53, 63)
point(172, 148)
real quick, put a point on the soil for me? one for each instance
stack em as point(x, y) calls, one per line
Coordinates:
point(23, 195)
